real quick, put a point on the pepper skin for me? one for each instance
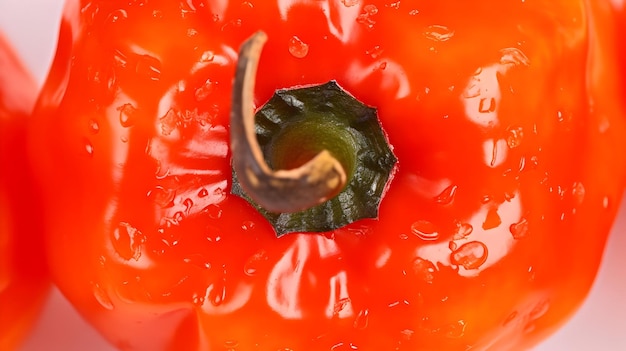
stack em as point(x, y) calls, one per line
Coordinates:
point(620, 38)
point(24, 280)
point(503, 116)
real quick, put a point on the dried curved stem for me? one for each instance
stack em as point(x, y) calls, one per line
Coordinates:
point(293, 190)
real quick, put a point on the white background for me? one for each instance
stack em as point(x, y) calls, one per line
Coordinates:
point(600, 325)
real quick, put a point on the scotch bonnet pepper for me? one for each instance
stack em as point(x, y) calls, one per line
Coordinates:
point(24, 280)
point(419, 175)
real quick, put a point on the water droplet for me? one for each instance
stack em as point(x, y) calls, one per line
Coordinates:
point(247, 225)
point(534, 162)
point(89, 12)
point(231, 345)
point(414, 12)
point(203, 193)
point(425, 230)
point(423, 269)
point(470, 255)
point(513, 56)
point(578, 192)
point(605, 202)
point(126, 115)
point(447, 195)
point(127, 241)
point(455, 330)
point(197, 260)
point(192, 32)
point(94, 127)
point(217, 293)
point(463, 230)
point(231, 25)
point(205, 90)
point(350, 3)
point(487, 105)
point(374, 52)
point(117, 15)
point(394, 304)
point(251, 267)
point(213, 234)
point(197, 299)
point(365, 18)
point(94, 75)
point(120, 59)
point(89, 148)
point(370, 9)
point(539, 310)
point(519, 229)
point(495, 152)
point(298, 48)
point(174, 220)
point(362, 319)
point(214, 211)
point(149, 67)
point(157, 14)
point(438, 33)
point(394, 5)
point(340, 305)
point(492, 220)
point(531, 273)
point(514, 137)
point(522, 164)
point(452, 245)
point(102, 297)
point(207, 56)
point(186, 7)
point(188, 203)
point(162, 196)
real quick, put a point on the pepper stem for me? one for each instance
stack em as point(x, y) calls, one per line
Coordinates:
point(282, 191)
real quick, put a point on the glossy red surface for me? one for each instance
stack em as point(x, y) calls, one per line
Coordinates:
point(23, 274)
point(446, 289)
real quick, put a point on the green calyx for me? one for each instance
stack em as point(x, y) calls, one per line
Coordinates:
point(297, 124)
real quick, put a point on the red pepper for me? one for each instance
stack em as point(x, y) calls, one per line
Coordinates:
point(23, 275)
point(620, 37)
point(486, 233)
